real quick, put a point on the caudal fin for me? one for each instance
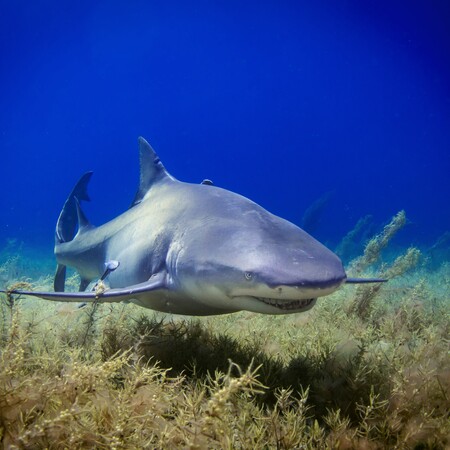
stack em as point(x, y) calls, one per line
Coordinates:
point(66, 226)
point(68, 222)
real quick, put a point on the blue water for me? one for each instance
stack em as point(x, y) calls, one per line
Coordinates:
point(282, 102)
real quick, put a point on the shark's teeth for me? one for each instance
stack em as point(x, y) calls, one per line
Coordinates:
point(287, 305)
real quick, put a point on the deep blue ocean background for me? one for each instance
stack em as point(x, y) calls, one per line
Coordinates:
point(282, 102)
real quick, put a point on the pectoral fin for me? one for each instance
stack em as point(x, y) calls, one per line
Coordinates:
point(135, 291)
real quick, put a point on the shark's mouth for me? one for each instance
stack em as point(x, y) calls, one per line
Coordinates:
point(287, 305)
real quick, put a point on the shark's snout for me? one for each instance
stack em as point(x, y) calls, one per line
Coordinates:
point(314, 275)
point(293, 284)
point(315, 268)
point(308, 277)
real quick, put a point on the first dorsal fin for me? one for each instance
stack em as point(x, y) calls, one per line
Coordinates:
point(152, 170)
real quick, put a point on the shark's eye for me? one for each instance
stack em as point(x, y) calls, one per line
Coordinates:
point(248, 276)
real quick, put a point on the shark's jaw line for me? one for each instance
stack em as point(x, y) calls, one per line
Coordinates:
point(271, 305)
point(287, 305)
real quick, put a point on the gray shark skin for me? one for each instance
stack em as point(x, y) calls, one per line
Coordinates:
point(192, 249)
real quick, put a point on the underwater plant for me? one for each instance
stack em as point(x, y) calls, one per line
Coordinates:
point(440, 250)
point(375, 245)
point(366, 370)
point(365, 295)
point(313, 214)
point(353, 242)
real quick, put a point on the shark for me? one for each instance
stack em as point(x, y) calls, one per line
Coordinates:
point(191, 249)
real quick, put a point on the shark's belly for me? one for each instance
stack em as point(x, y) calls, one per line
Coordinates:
point(174, 303)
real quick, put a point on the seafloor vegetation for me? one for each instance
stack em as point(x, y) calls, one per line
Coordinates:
point(367, 368)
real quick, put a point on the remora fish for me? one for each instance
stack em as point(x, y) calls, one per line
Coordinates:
point(192, 249)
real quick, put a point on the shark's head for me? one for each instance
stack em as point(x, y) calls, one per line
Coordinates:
point(258, 263)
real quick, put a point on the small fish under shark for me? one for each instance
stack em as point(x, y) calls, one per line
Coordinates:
point(193, 249)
